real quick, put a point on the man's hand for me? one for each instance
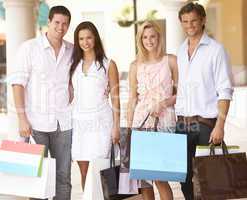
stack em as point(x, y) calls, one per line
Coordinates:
point(217, 135)
point(25, 128)
point(19, 98)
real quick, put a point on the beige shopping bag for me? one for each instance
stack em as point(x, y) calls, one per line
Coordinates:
point(204, 150)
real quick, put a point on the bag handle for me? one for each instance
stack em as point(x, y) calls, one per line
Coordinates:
point(155, 122)
point(31, 140)
point(112, 158)
point(223, 147)
point(144, 121)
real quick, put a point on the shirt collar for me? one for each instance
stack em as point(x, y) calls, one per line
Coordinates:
point(46, 43)
point(205, 40)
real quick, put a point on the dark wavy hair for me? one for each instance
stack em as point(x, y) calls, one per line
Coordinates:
point(78, 53)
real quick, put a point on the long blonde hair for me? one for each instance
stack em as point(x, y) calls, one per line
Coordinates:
point(141, 51)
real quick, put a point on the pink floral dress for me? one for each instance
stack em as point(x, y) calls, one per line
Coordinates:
point(154, 85)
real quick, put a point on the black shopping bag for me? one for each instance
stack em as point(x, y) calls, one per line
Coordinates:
point(220, 176)
point(110, 180)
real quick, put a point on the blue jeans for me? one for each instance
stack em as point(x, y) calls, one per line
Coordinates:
point(59, 145)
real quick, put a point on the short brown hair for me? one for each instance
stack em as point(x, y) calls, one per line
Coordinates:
point(59, 10)
point(192, 7)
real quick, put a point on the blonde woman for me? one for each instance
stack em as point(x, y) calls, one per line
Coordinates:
point(152, 78)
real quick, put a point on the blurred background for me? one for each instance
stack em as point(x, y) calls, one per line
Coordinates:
point(117, 22)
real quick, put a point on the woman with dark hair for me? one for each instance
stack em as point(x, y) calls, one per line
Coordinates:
point(92, 77)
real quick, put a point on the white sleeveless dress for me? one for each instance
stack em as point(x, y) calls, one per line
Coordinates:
point(92, 113)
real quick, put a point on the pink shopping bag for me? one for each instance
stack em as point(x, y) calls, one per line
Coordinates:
point(21, 158)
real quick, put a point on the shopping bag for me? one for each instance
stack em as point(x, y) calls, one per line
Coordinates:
point(158, 156)
point(125, 135)
point(93, 187)
point(127, 185)
point(204, 150)
point(125, 140)
point(30, 186)
point(21, 158)
point(110, 180)
point(220, 176)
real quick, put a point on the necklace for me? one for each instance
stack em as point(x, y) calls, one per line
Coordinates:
point(86, 67)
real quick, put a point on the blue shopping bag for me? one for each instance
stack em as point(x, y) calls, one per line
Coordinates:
point(158, 156)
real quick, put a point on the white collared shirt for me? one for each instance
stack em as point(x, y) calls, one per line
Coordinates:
point(203, 79)
point(45, 79)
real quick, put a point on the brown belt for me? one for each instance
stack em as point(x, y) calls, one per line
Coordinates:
point(210, 122)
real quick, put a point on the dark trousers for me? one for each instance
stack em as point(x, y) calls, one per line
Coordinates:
point(59, 145)
point(197, 134)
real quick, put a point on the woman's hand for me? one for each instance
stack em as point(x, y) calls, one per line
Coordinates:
point(115, 135)
point(157, 109)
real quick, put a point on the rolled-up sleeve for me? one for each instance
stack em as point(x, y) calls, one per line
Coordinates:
point(223, 75)
point(20, 72)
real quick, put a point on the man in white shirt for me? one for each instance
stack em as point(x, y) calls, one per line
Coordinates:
point(204, 87)
point(40, 85)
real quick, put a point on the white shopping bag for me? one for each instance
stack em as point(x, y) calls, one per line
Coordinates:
point(27, 186)
point(93, 187)
point(127, 185)
point(204, 150)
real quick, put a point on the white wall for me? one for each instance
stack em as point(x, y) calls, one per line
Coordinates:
point(238, 109)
